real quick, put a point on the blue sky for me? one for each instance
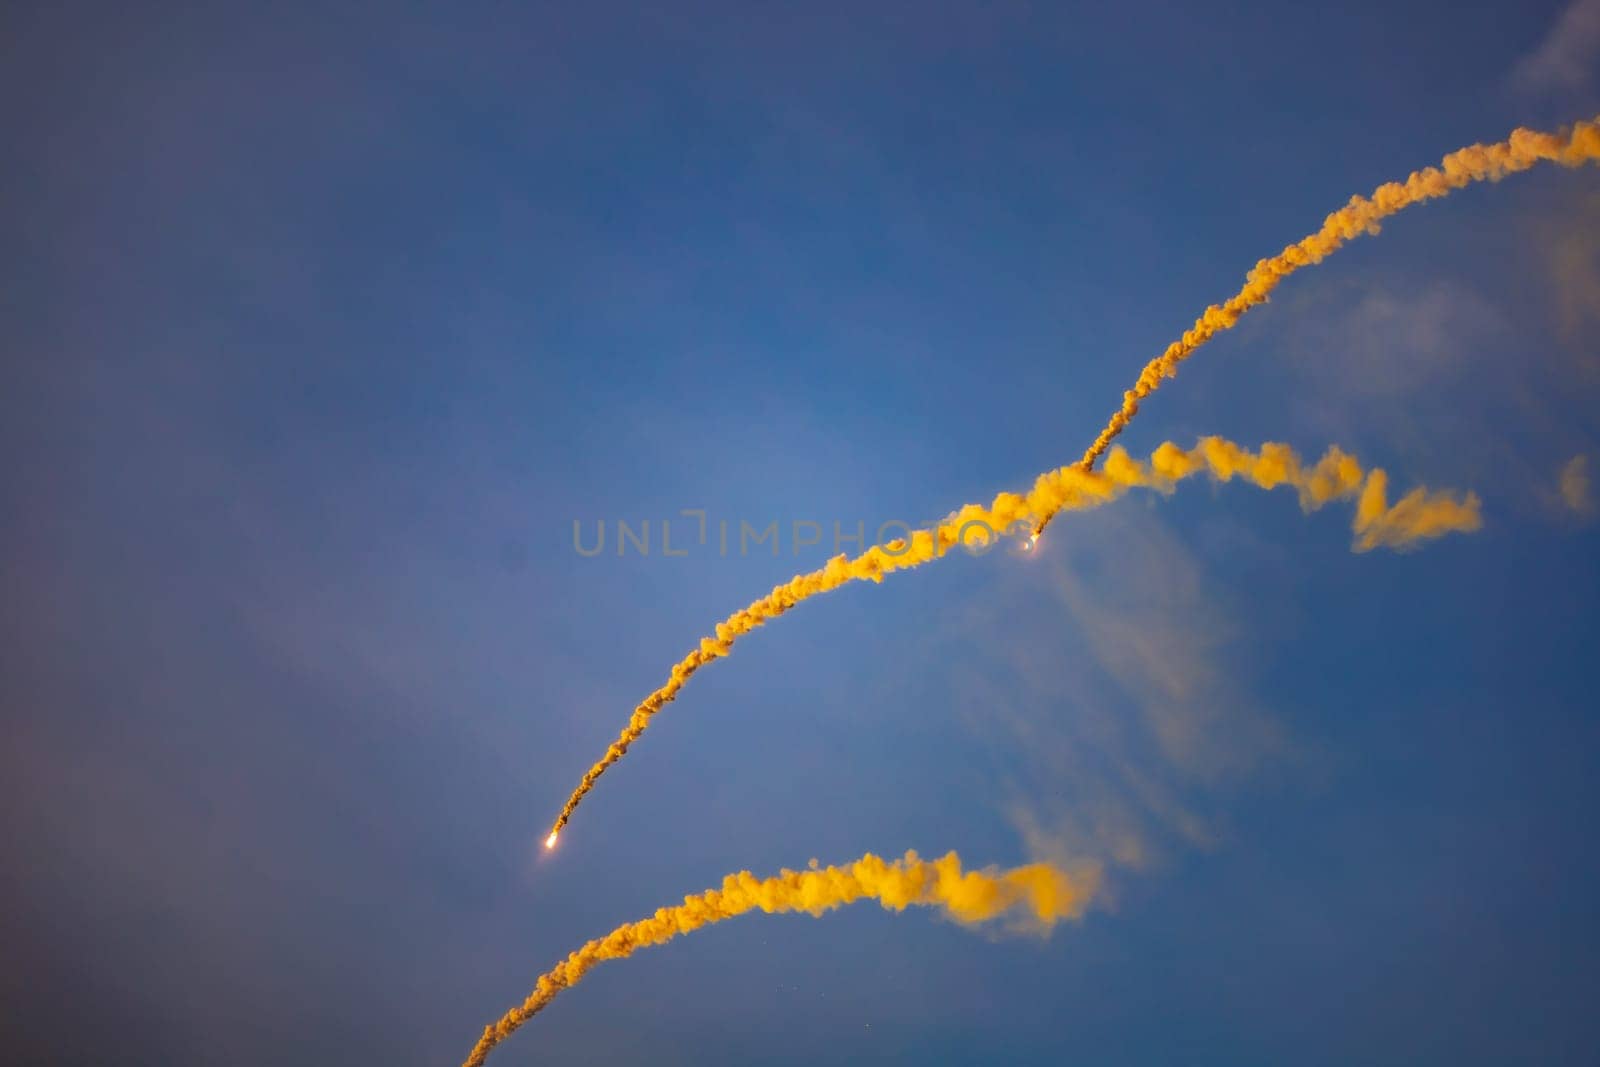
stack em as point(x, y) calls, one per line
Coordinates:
point(321, 328)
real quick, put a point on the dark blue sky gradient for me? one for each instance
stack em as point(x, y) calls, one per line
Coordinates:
point(321, 327)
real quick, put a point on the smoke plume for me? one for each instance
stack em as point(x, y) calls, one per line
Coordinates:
point(1037, 895)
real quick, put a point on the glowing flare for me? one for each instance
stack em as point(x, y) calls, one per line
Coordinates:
point(550, 842)
point(1037, 895)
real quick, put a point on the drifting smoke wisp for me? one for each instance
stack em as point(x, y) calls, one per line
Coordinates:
point(1037, 895)
point(1420, 515)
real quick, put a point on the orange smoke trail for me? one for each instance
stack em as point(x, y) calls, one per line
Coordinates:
point(1475, 163)
point(1038, 894)
point(1336, 476)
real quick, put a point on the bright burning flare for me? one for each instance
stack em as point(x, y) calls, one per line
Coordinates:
point(550, 842)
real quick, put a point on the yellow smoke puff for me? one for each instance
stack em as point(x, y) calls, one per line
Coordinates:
point(1419, 515)
point(1038, 894)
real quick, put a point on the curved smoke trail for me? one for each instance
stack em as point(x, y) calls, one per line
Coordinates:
point(1038, 894)
point(1475, 163)
point(1421, 514)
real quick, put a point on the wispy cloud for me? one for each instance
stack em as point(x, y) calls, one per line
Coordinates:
point(1442, 375)
point(1566, 59)
point(1577, 491)
point(1119, 741)
point(1396, 338)
point(1571, 247)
